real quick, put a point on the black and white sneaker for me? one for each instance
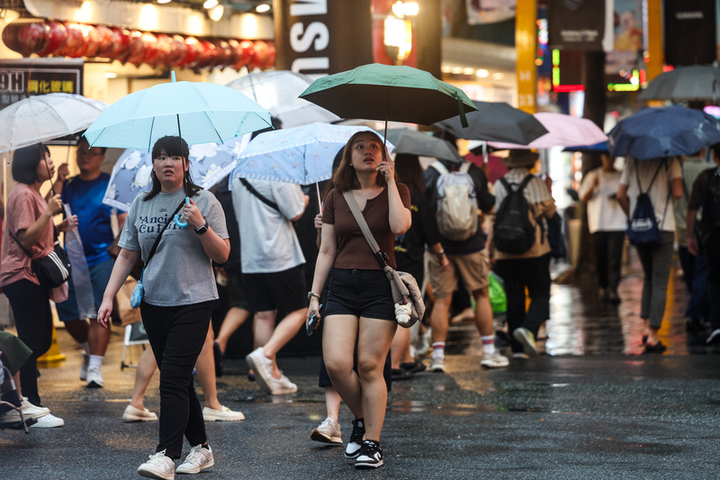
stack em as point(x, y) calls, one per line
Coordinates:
point(370, 455)
point(352, 450)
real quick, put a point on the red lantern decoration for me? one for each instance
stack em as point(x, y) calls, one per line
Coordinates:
point(178, 50)
point(29, 38)
point(137, 48)
point(262, 54)
point(74, 44)
point(106, 36)
point(120, 44)
point(91, 41)
point(225, 53)
point(150, 49)
point(193, 54)
point(57, 36)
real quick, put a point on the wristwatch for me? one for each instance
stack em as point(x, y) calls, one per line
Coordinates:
point(313, 294)
point(202, 229)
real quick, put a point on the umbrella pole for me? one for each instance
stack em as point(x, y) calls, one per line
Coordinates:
point(317, 190)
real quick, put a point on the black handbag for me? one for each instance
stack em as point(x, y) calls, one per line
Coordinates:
point(51, 270)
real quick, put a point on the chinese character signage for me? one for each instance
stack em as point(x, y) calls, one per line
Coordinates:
point(20, 79)
point(577, 25)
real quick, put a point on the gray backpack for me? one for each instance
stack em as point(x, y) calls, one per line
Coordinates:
point(457, 206)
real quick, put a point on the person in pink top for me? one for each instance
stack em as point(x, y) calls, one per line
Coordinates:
point(29, 226)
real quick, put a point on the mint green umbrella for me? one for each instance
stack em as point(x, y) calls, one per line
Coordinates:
point(387, 92)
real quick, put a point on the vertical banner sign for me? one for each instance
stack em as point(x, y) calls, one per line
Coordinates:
point(321, 37)
point(577, 25)
point(525, 39)
point(689, 32)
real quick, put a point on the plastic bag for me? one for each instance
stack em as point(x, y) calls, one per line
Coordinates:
point(496, 291)
point(80, 277)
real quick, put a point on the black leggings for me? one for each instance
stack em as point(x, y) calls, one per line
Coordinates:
point(31, 307)
point(177, 335)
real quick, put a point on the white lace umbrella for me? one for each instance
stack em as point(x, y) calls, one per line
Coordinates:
point(209, 163)
point(277, 91)
point(41, 118)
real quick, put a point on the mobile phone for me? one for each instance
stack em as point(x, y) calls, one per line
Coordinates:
point(312, 323)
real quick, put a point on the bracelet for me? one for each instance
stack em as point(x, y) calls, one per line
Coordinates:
point(313, 294)
point(439, 254)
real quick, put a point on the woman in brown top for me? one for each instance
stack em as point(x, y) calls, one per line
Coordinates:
point(359, 305)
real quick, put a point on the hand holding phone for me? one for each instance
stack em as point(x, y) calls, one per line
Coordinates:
point(312, 323)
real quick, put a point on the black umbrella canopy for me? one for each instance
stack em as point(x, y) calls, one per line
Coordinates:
point(496, 122)
point(417, 143)
point(697, 82)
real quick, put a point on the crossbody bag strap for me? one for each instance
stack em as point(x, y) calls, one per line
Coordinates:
point(355, 209)
point(29, 254)
point(263, 199)
point(157, 240)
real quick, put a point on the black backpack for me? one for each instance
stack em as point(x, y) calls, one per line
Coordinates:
point(643, 227)
point(513, 232)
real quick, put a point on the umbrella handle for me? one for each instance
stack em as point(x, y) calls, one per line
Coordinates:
point(177, 216)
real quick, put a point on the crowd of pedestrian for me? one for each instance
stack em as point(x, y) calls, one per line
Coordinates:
point(446, 224)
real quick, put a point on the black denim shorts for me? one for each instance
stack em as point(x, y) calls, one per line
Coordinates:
point(363, 293)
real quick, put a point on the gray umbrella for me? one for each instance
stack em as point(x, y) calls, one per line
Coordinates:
point(698, 82)
point(496, 122)
point(417, 143)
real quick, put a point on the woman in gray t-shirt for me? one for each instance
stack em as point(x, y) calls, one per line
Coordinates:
point(179, 293)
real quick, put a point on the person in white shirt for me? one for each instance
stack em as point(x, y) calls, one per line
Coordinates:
point(656, 258)
point(607, 223)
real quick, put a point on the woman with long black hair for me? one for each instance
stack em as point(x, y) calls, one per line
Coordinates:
point(179, 294)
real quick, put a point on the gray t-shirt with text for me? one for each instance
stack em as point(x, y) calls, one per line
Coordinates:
point(180, 273)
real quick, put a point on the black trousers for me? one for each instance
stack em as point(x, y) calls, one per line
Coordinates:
point(517, 274)
point(177, 335)
point(608, 256)
point(33, 318)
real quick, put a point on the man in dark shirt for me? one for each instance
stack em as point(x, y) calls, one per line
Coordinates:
point(468, 261)
point(706, 195)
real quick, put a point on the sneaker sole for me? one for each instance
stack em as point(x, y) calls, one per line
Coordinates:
point(367, 466)
point(149, 474)
point(262, 383)
point(193, 471)
point(131, 419)
point(223, 419)
point(319, 437)
point(528, 347)
point(352, 455)
point(488, 366)
point(94, 385)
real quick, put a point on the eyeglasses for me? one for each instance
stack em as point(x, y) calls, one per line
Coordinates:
point(86, 153)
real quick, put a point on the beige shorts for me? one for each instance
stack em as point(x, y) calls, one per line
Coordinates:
point(474, 269)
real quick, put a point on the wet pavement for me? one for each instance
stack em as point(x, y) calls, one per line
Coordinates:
point(589, 407)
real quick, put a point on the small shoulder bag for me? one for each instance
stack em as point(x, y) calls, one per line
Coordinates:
point(409, 305)
point(51, 270)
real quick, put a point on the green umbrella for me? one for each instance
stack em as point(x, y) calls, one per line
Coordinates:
point(387, 92)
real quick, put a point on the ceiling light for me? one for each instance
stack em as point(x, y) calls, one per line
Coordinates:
point(163, 1)
point(210, 4)
point(498, 76)
point(216, 12)
point(482, 73)
point(262, 8)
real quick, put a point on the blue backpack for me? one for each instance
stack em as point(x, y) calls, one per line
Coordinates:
point(643, 227)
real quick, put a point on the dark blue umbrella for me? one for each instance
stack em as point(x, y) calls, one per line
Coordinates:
point(663, 132)
point(601, 147)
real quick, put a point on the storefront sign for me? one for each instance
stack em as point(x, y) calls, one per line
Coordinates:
point(577, 25)
point(22, 78)
point(320, 37)
point(689, 32)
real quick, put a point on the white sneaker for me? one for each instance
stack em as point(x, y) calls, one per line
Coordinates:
point(222, 415)
point(32, 411)
point(198, 459)
point(132, 414)
point(262, 366)
point(282, 386)
point(159, 466)
point(327, 432)
point(437, 364)
point(84, 367)
point(496, 360)
point(48, 421)
point(95, 378)
point(521, 356)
